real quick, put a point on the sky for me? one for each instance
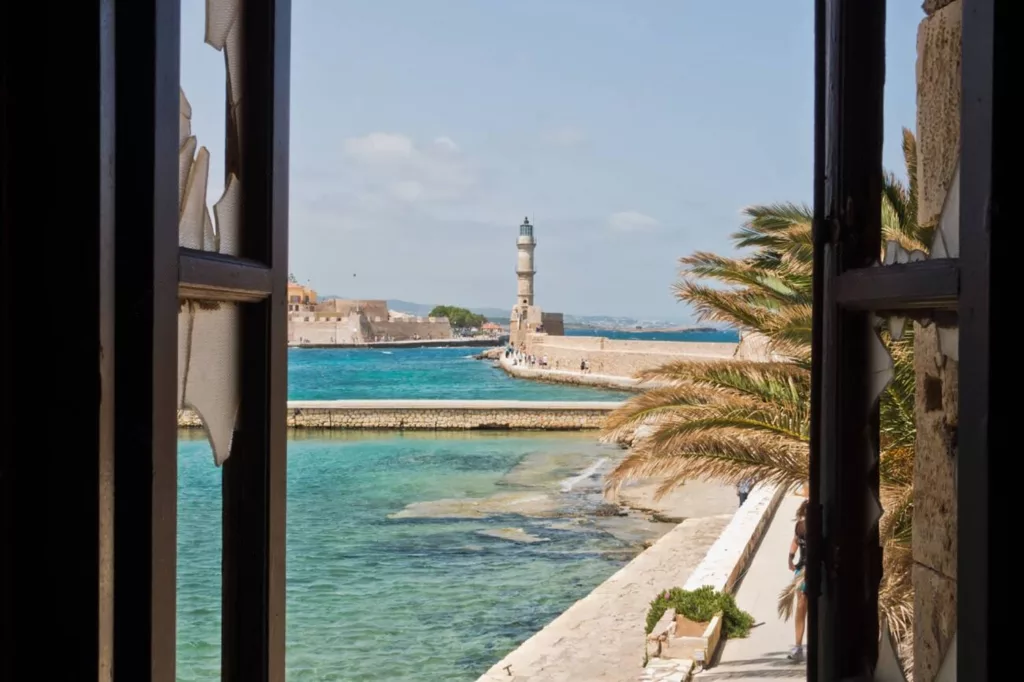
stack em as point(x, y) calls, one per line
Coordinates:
point(631, 133)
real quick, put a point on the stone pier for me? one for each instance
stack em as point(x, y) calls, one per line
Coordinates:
point(438, 415)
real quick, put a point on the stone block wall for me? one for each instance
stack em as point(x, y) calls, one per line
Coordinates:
point(324, 328)
point(403, 330)
point(621, 358)
point(935, 509)
point(570, 418)
point(553, 324)
point(320, 329)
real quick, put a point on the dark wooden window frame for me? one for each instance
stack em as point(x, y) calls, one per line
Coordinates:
point(152, 273)
point(845, 559)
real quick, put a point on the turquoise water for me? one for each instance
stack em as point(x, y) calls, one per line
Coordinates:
point(415, 373)
point(426, 599)
point(419, 598)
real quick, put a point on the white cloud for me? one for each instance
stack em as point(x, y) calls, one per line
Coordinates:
point(565, 137)
point(395, 166)
point(379, 147)
point(407, 190)
point(631, 221)
point(446, 144)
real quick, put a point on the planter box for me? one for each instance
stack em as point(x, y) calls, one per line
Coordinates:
point(696, 641)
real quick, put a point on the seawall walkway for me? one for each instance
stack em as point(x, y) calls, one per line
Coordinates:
point(763, 655)
point(562, 376)
point(438, 415)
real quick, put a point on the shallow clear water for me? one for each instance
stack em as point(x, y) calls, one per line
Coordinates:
point(416, 373)
point(373, 598)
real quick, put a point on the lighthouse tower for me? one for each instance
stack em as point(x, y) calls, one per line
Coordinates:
point(527, 318)
point(524, 265)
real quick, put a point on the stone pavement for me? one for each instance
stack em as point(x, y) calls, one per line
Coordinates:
point(762, 655)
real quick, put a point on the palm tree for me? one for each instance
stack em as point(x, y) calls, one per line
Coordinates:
point(735, 420)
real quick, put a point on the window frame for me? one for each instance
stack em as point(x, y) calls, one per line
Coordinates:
point(150, 282)
point(843, 544)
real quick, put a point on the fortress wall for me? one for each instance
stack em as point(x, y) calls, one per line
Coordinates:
point(346, 307)
point(401, 330)
point(323, 328)
point(323, 331)
point(553, 324)
point(621, 358)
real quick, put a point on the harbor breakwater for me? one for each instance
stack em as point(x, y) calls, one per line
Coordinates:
point(438, 415)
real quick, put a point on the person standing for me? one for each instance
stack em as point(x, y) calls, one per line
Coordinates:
point(743, 489)
point(797, 562)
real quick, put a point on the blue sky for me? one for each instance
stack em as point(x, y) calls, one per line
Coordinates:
point(632, 133)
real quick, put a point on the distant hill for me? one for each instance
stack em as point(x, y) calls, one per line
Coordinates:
point(421, 309)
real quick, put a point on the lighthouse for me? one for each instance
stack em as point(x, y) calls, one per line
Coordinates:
point(527, 318)
point(524, 264)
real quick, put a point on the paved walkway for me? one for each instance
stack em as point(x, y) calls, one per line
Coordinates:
point(762, 655)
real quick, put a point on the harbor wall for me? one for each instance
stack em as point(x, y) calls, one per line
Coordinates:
point(619, 357)
point(438, 415)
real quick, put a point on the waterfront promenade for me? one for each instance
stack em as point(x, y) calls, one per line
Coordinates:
point(564, 376)
point(762, 655)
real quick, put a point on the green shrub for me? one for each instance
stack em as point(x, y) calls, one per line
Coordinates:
point(700, 606)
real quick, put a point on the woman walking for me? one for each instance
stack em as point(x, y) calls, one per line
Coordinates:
point(798, 551)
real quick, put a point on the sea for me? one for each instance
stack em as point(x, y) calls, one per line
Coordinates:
point(701, 335)
point(392, 572)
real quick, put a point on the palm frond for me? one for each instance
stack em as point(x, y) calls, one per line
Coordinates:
point(717, 305)
point(896, 524)
point(772, 226)
point(763, 380)
point(727, 455)
point(656, 403)
point(787, 598)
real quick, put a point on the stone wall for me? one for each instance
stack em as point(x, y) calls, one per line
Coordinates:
point(319, 329)
point(324, 328)
point(345, 307)
point(621, 358)
point(402, 330)
point(553, 324)
point(937, 409)
point(444, 416)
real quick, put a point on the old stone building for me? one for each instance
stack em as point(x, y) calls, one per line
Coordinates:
point(342, 322)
